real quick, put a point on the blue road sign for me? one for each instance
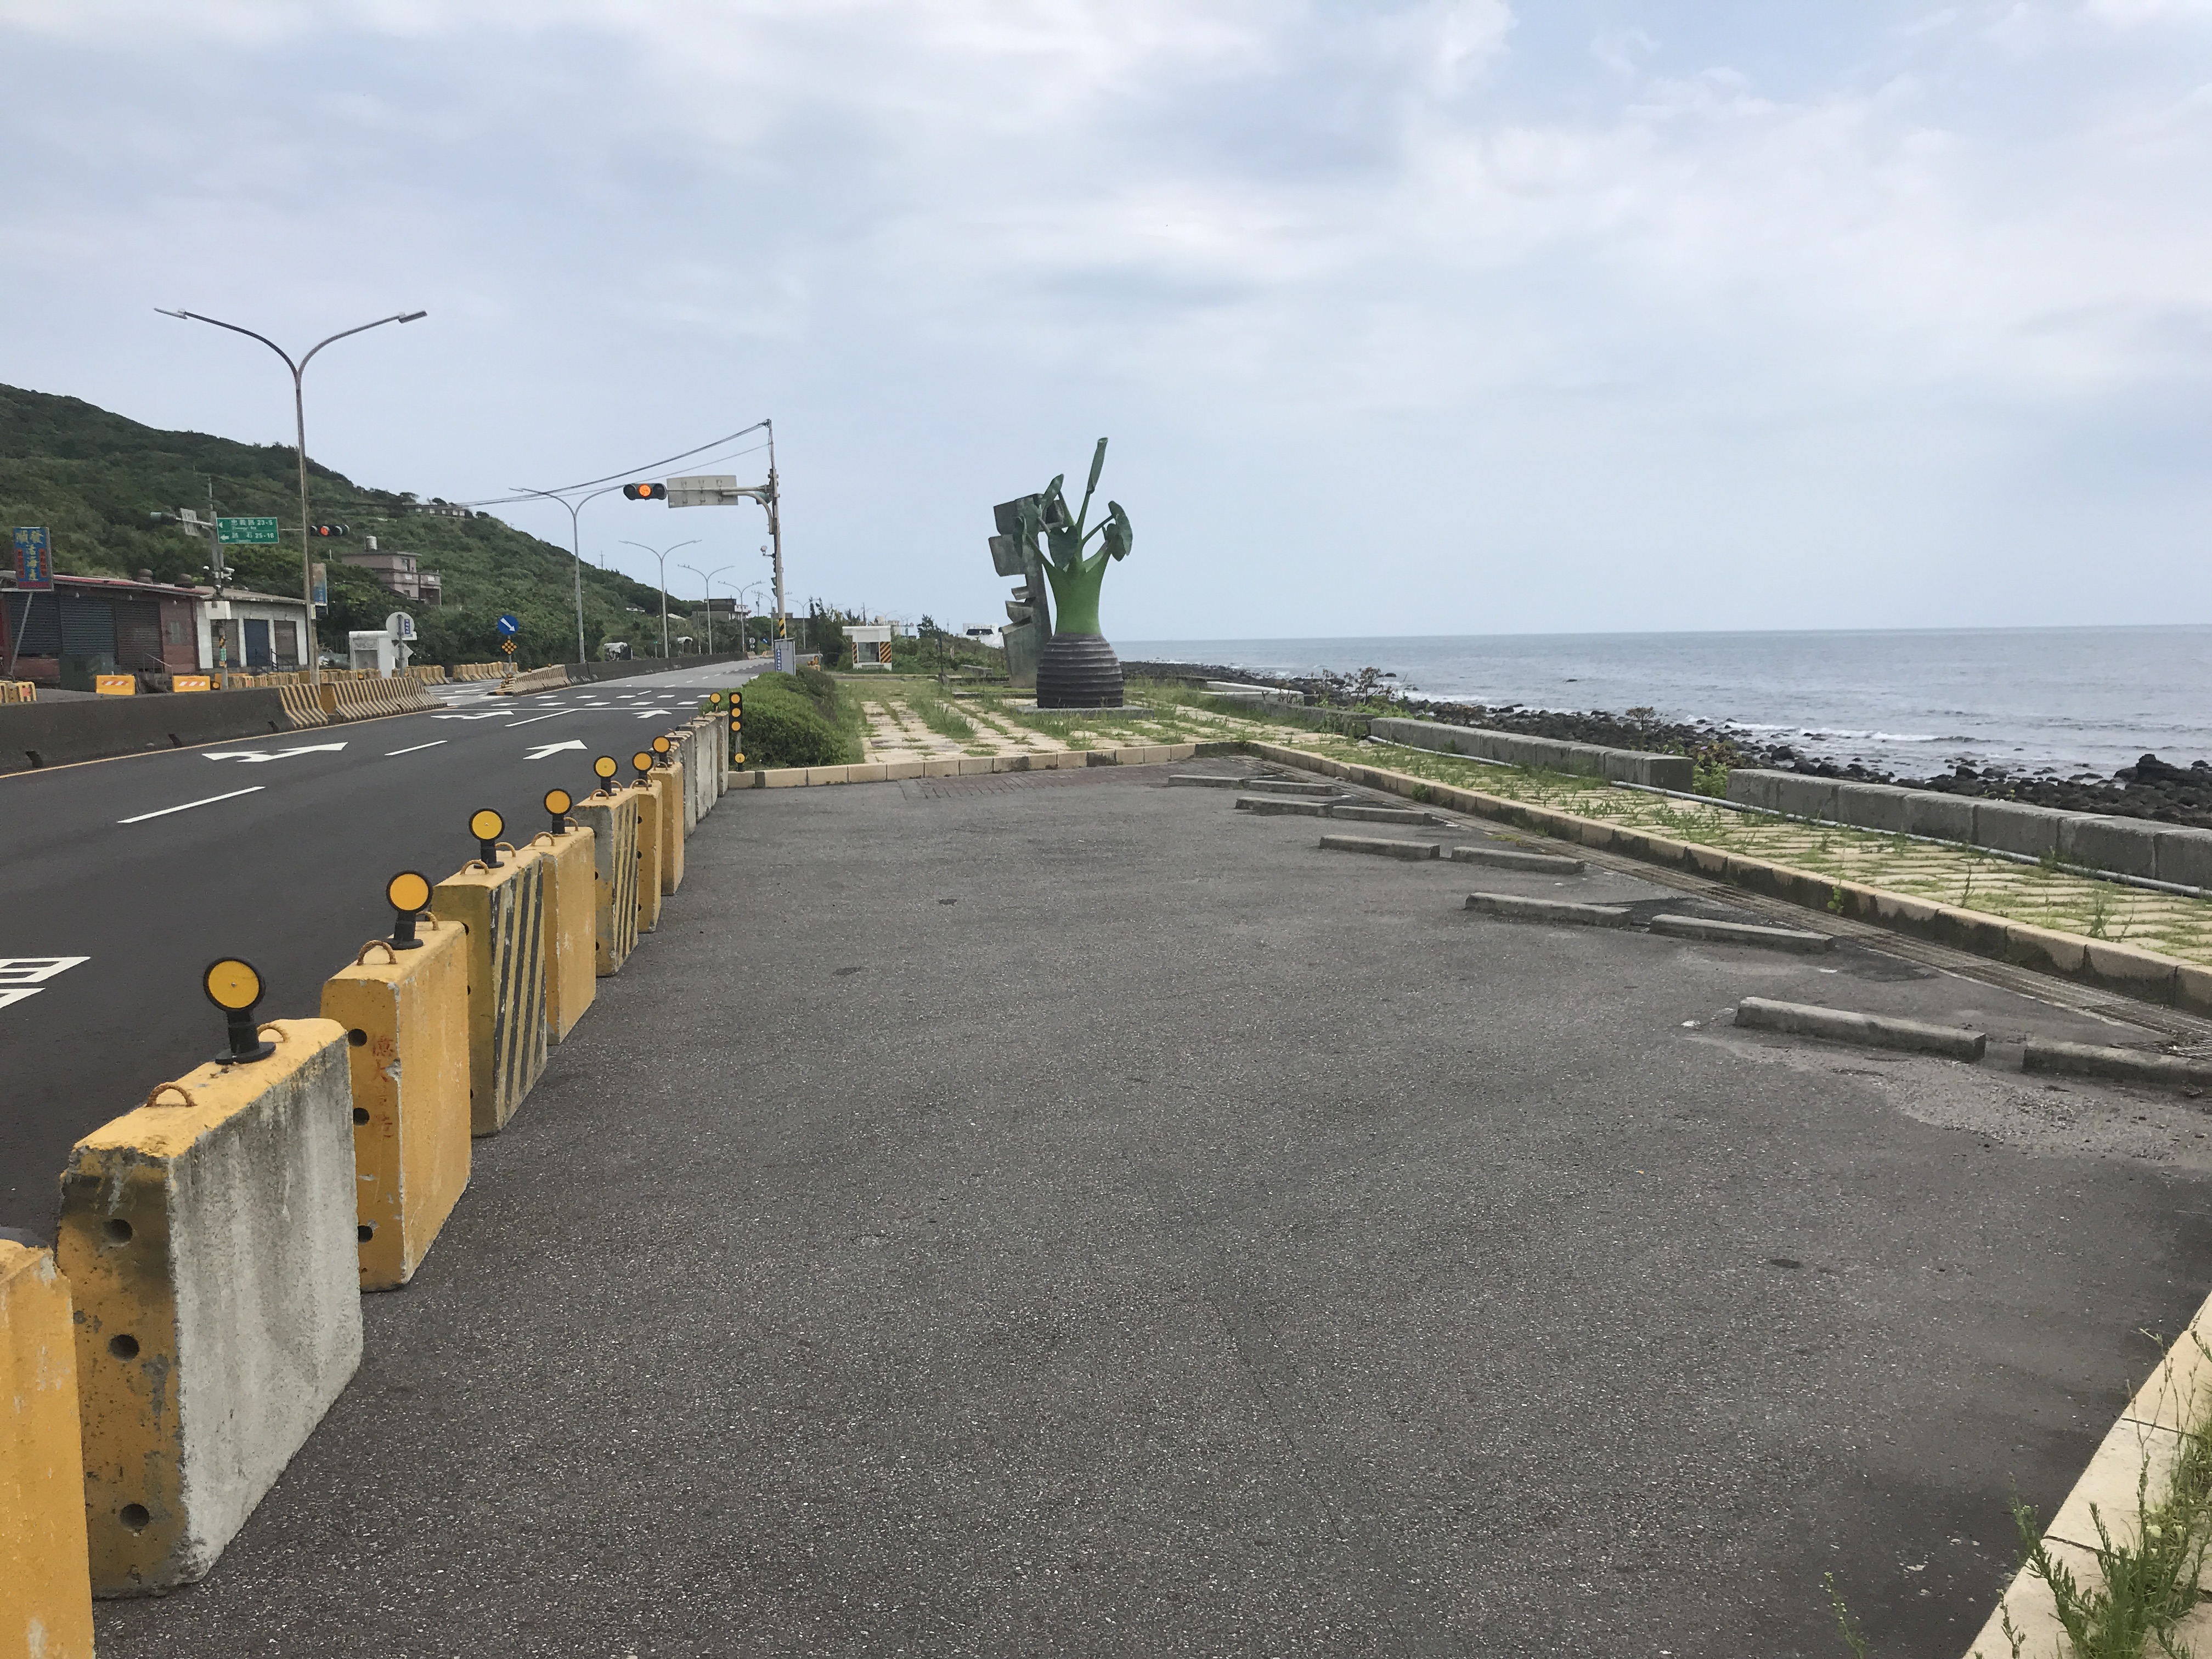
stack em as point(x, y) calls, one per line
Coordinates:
point(510, 626)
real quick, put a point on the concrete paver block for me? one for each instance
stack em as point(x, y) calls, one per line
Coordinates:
point(406, 1020)
point(46, 1589)
point(210, 1240)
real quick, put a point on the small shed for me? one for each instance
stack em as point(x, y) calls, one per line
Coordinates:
point(871, 644)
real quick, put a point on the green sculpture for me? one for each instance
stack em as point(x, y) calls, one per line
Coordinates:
point(1077, 669)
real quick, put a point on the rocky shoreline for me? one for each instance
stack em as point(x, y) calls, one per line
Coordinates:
point(2150, 788)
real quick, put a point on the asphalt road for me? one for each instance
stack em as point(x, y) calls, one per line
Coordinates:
point(113, 861)
point(1055, 1213)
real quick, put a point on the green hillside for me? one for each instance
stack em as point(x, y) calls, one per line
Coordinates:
point(93, 478)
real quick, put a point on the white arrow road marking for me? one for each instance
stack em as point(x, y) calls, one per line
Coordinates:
point(252, 757)
point(493, 715)
point(545, 748)
point(389, 753)
point(654, 713)
point(189, 805)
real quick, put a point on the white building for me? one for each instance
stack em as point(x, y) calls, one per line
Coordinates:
point(249, 632)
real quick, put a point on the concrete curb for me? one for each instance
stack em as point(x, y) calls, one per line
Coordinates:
point(1870, 1030)
point(1388, 849)
point(1517, 908)
point(1381, 814)
point(2143, 975)
point(2116, 1065)
point(1275, 807)
point(1741, 932)
point(1289, 787)
point(970, 765)
point(1549, 864)
point(1205, 781)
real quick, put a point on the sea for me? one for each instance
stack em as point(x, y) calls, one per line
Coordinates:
point(1911, 702)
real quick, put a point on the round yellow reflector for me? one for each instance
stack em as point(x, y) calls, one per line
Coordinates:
point(485, 824)
point(606, 766)
point(232, 984)
point(642, 761)
point(661, 745)
point(408, 892)
point(557, 801)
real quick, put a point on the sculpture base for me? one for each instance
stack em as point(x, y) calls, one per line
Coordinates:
point(1078, 671)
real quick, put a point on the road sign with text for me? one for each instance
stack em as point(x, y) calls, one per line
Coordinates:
point(34, 558)
point(251, 533)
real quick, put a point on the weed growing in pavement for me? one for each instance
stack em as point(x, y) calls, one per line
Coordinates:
point(941, 716)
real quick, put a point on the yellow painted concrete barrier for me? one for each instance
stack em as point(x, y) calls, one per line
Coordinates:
point(652, 848)
point(571, 944)
point(208, 1240)
point(611, 816)
point(668, 784)
point(46, 1586)
point(504, 910)
point(406, 1019)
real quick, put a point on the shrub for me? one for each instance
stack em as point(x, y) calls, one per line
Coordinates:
point(785, 726)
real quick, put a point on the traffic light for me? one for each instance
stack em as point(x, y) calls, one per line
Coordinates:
point(327, 530)
point(646, 492)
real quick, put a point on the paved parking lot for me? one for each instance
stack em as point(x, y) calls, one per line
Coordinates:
point(1059, 1213)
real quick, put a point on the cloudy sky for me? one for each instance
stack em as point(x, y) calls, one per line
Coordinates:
point(1452, 317)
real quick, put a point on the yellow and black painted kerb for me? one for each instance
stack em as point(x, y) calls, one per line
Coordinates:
point(612, 816)
point(504, 910)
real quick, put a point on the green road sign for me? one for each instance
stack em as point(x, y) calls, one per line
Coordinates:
point(252, 532)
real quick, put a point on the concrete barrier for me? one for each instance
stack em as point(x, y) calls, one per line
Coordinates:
point(1286, 786)
point(504, 911)
point(611, 816)
point(1267, 807)
point(2128, 847)
point(406, 1019)
point(682, 762)
point(209, 1238)
point(2117, 1065)
point(1580, 759)
point(668, 784)
point(1506, 857)
point(1515, 907)
point(537, 679)
point(1205, 781)
point(46, 1585)
point(301, 707)
point(1874, 1031)
point(1380, 848)
point(41, 734)
point(652, 848)
point(1364, 814)
point(571, 928)
point(1742, 932)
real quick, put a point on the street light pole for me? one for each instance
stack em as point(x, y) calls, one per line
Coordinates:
point(575, 546)
point(750, 587)
point(663, 558)
point(707, 587)
point(312, 644)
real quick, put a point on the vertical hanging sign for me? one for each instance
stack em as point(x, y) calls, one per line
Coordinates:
point(35, 559)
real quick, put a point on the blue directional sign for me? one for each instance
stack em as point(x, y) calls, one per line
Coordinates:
point(510, 626)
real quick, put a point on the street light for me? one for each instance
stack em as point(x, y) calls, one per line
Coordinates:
point(706, 587)
point(663, 557)
point(575, 546)
point(751, 587)
point(299, 417)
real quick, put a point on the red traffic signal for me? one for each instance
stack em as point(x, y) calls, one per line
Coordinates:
point(327, 530)
point(646, 492)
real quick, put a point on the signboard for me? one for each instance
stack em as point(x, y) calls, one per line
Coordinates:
point(509, 626)
point(34, 558)
point(115, 685)
point(401, 627)
point(711, 489)
point(191, 682)
point(508, 646)
point(322, 587)
point(257, 532)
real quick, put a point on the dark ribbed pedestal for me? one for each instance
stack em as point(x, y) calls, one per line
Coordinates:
point(1078, 671)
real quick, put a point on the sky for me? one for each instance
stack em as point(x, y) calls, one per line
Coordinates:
point(1456, 317)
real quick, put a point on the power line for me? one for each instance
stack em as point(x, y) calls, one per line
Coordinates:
point(627, 472)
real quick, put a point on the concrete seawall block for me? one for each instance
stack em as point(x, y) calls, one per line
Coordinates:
point(210, 1241)
point(1941, 817)
point(1876, 806)
point(2128, 845)
point(1581, 759)
point(1805, 796)
point(2012, 828)
point(1751, 786)
point(46, 1589)
point(2185, 856)
point(406, 1020)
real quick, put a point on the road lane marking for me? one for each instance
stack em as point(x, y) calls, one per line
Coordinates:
point(255, 756)
point(534, 719)
point(545, 748)
point(22, 977)
point(492, 716)
point(418, 748)
point(189, 805)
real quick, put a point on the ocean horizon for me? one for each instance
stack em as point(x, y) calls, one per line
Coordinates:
point(1913, 702)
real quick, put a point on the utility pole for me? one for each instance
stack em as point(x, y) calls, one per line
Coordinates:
point(776, 535)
